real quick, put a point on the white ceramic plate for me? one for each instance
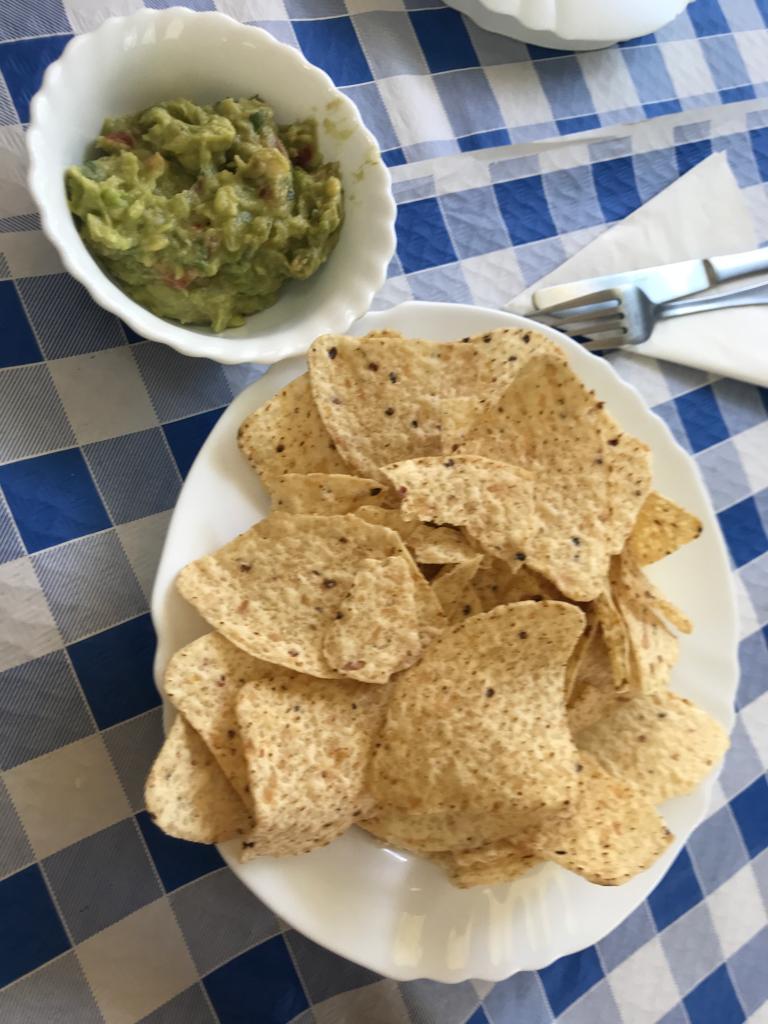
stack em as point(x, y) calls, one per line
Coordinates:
point(128, 64)
point(397, 914)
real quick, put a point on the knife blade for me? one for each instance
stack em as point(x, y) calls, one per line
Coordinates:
point(662, 283)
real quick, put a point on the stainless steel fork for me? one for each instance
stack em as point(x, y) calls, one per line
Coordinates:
point(624, 315)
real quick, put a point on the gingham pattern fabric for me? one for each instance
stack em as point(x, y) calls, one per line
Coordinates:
point(102, 917)
point(471, 88)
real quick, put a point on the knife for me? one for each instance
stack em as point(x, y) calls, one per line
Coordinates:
point(663, 283)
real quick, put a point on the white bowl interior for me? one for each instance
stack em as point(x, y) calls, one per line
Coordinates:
point(130, 63)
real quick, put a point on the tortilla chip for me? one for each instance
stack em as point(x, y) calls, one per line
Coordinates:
point(499, 582)
point(669, 610)
point(454, 590)
point(381, 398)
point(326, 493)
point(585, 502)
point(274, 589)
point(499, 861)
point(593, 690)
point(388, 517)
point(187, 793)
point(661, 528)
point(479, 723)
point(613, 835)
point(202, 681)
point(580, 651)
point(616, 637)
point(653, 649)
point(439, 545)
point(491, 500)
point(286, 435)
point(458, 420)
point(637, 588)
point(661, 742)
point(375, 631)
point(307, 746)
point(383, 332)
point(589, 703)
point(441, 830)
point(513, 847)
point(429, 544)
point(500, 871)
point(629, 482)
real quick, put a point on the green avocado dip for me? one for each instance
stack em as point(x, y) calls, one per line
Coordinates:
point(201, 213)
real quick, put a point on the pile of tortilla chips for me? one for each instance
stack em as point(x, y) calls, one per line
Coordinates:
point(443, 631)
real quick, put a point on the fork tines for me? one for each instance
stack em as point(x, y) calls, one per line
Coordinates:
point(597, 316)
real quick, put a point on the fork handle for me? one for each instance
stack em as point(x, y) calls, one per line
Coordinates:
point(756, 296)
point(739, 264)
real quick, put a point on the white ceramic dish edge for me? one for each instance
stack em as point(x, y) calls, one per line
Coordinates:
point(286, 885)
point(570, 24)
point(351, 295)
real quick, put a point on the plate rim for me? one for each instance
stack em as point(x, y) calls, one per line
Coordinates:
point(494, 973)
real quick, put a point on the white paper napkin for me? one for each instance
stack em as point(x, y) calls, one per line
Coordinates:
point(704, 213)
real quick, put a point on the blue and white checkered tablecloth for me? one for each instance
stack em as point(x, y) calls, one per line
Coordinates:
point(430, 83)
point(103, 918)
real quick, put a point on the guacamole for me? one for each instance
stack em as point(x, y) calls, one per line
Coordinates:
point(201, 213)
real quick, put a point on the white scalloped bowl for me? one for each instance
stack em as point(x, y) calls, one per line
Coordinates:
point(570, 24)
point(130, 63)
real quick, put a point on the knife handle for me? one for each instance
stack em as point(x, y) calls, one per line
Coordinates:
point(756, 296)
point(739, 264)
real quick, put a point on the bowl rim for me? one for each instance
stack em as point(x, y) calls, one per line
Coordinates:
point(518, 11)
point(189, 342)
